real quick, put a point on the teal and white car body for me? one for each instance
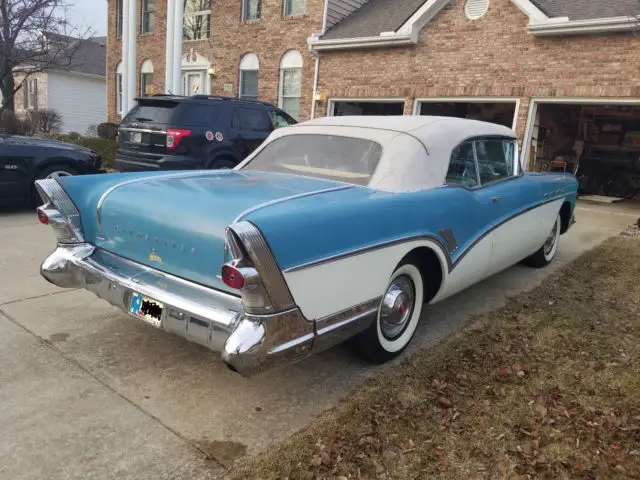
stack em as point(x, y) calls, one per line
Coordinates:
point(333, 228)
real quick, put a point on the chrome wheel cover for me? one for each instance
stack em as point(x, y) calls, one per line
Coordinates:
point(59, 173)
point(551, 239)
point(397, 307)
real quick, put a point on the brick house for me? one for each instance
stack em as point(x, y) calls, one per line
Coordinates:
point(554, 70)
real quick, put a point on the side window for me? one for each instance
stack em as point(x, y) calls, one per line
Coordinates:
point(253, 119)
point(462, 167)
point(280, 119)
point(495, 159)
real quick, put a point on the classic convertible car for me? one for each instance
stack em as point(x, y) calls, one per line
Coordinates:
point(334, 228)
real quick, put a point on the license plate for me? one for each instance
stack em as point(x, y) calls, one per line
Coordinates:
point(136, 137)
point(146, 309)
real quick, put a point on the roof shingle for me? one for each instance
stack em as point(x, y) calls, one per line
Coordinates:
point(588, 9)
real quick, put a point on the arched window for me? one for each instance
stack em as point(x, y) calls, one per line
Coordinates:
point(146, 78)
point(249, 67)
point(290, 83)
point(119, 89)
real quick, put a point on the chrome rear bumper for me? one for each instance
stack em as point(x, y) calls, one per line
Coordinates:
point(248, 343)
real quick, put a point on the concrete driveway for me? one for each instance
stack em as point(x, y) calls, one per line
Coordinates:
point(86, 392)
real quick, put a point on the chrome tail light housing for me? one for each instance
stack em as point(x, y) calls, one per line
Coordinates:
point(59, 212)
point(264, 290)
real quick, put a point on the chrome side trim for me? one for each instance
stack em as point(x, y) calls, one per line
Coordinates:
point(377, 246)
point(449, 239)
point(337, 328)
point(124, 183)
point(435, 239)
point(499, 224)
point(286, 199)
point(263, 260)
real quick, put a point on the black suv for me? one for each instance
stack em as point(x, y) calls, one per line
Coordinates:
point(177, 133)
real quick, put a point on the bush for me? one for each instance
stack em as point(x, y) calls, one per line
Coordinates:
point(106, 148)
point(11, 124)
point(44, 121)
point(92, 131)
point(108, 131)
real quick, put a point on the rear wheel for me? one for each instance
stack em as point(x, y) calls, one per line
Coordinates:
point(397, 318)
point(547, 252)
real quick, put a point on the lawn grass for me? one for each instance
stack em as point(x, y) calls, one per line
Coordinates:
point(546, 387)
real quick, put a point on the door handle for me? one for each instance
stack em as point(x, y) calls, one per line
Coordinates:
point(495, 199)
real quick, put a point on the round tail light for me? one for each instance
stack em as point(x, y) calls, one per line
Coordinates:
point(42, 216)
point(232, 277)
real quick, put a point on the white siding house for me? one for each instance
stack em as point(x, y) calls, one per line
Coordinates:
point(80, 99)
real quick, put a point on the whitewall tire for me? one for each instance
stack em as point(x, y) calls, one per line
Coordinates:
point(547, 252)
point(397, 317)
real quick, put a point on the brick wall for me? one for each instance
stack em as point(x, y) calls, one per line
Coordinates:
point(492, 56)
point(269, 38)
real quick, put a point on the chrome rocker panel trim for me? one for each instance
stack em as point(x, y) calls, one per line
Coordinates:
point(249, 344)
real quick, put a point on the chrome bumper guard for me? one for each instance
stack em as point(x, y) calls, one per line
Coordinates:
point(249, 344)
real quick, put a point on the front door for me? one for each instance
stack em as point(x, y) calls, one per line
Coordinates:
point(518, 225)
point(193, 83)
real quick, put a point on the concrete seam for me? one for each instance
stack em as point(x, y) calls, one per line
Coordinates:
point(77, 364)
point(10, 302)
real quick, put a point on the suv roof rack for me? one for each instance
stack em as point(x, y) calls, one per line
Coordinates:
point(229, 99)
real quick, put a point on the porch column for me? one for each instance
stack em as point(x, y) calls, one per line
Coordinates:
point(131, 72)
point(177, 46)
point(171, 21)
point(125, 58)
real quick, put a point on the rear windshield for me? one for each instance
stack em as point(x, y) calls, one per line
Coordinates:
point(154, 112)
point(344, 159)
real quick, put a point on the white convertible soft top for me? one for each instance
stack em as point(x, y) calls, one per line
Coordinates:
point(416, 149)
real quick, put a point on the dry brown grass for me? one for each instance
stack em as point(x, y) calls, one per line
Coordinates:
point(546, 387)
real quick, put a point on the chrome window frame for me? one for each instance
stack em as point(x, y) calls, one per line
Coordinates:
point(517, 168)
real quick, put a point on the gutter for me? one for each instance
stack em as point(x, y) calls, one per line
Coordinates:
point(564, 26)
point(385, 39)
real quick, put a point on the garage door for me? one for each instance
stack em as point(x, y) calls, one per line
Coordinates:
point(502, 112)
point(598, 142)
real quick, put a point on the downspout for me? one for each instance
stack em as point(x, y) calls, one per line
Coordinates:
point(316, 74)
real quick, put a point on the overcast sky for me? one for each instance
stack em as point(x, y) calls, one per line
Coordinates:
point(89, 13)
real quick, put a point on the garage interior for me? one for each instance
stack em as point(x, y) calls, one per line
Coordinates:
point(367, 108)
point(501, 113)
point(600, 144)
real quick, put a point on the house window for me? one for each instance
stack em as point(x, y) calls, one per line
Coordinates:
point(119, 89)
point(148, 15)
point(119, 17)
point(251, 9)
point(146, 78)
point(197, 19)
point(31, 94)
point(294, 7)
point(249, 67)
point(290, 83)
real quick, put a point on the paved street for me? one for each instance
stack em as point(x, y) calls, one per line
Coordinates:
point(85, 392)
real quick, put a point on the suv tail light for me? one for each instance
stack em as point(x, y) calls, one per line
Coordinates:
point(174, 137)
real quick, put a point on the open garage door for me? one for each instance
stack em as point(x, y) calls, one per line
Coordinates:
point(340, 108)
point(502, 112)
point(598, 142)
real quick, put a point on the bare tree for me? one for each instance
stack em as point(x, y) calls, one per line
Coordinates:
point(35, 35)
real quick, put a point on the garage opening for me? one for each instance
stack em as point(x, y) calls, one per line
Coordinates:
point(341, 108)
point(598, 143)
point(502, 113)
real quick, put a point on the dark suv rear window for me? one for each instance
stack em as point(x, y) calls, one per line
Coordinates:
point(196, 114)
point(155, 112)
